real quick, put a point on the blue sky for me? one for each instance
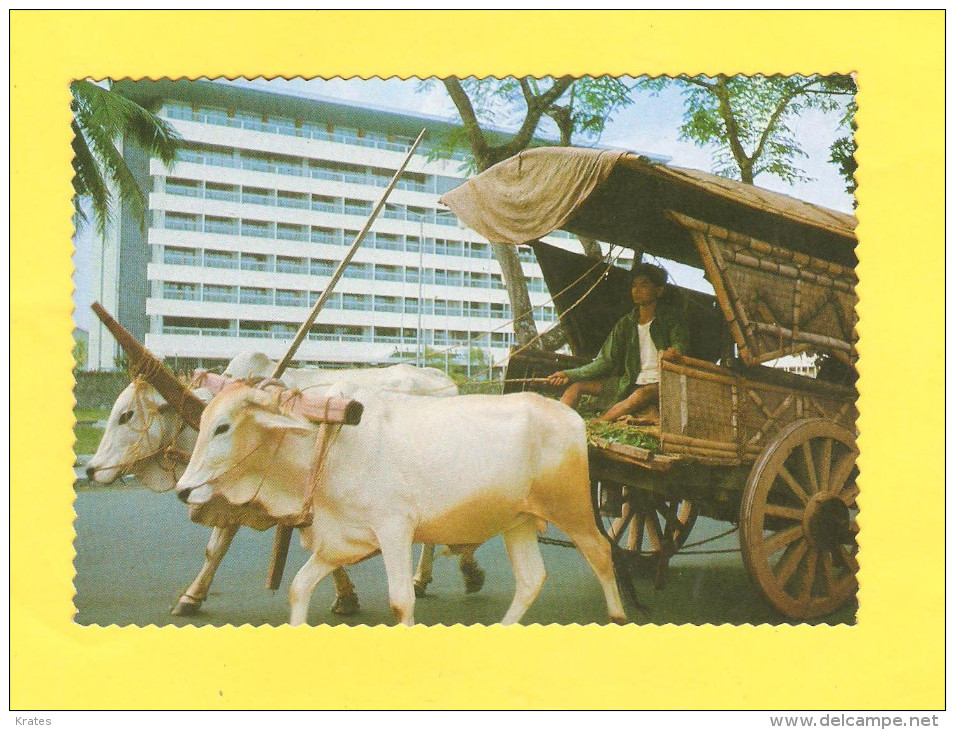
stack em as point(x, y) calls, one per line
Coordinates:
point(650, 124)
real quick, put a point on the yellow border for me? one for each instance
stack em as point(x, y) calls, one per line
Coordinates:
point(893, 658)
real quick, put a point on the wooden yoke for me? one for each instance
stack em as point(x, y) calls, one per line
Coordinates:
point(142, 363)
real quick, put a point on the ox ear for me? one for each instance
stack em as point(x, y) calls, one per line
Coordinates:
point(277, 422)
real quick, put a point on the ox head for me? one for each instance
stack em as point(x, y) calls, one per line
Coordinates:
point(141, 426)
point(250, 465)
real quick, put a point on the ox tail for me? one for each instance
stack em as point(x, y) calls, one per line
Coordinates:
point(625, 563)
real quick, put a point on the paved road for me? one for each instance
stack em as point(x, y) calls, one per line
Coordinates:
point(136, 551)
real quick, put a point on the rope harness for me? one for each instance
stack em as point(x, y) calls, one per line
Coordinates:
point(142, 449)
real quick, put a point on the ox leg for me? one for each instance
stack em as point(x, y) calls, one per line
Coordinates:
point(346, 600)
point(528, 566)
point(596, 551)
point(396, 553)
point(422, 576)
point(303, 585)
point(196, 593)
point(472, 572)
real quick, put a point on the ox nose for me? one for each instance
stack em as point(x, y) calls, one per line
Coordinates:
point(90, 471)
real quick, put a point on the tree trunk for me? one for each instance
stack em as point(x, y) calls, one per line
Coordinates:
point(591, 247)
point(524, 328)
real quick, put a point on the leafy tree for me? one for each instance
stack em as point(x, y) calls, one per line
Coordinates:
point(579, 106)
point(749, 118)
point(101, 116)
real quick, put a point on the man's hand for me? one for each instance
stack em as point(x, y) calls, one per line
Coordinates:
point(671, 354)
point(559, 379)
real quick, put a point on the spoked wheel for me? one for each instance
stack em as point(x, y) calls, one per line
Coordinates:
point(798, 521)
point(653, 527)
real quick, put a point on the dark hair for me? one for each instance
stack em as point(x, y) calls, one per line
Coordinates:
point(656, 275)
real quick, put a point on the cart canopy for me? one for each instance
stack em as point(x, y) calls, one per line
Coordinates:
point(782, 269)
point(623, 198)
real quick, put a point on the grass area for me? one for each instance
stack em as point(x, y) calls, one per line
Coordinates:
point(87, 438)
point(90, 414)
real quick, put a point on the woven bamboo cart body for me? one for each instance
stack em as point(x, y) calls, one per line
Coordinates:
point(771, 451)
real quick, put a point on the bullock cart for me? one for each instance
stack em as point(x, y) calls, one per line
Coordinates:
point(770, 451)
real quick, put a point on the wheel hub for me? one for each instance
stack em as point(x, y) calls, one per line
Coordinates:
point(827, 521)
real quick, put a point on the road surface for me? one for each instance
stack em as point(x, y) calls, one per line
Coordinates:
point(136, 551)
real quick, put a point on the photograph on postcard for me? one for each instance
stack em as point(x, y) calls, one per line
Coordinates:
point(525, 350)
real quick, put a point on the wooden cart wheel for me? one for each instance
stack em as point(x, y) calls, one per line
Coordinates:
point(798, 519)
point(652, 526)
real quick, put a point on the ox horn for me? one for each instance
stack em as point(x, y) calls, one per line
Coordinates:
point(143, 362)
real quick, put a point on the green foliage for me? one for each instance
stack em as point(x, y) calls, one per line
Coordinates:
point(619, 433)
point(87, 438)
point(581, 113)
point(80, 352)
point(101, 116)
point(749, 118)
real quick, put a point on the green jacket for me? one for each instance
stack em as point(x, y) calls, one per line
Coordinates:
point(619, 358)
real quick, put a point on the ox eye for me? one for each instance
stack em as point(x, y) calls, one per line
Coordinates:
point(221, 429)
point(124, 418)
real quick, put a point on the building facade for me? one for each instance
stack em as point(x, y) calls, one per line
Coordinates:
point(262, 203)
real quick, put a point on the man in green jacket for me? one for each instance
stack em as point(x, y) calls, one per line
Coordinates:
point(627, 368)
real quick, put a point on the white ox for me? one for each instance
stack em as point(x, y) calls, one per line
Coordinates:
point(146, 438)
point(449, 471)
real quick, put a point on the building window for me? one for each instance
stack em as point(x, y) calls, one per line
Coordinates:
point(291, 265)
point(219, 293)
point(384, 272)
point(256, 196)
point(320, 267)
point(291, 232)
point(180, 256)
point(182, 222)
point(359, 271)
point(178, 186)
point(256, 262)
point(220, 191)
point(290, 298)
point(257, 229)
point(387, 304)
point(221, 259)
point(292, 200)
point(325, 235)
point(357, 302)
point(326, 205)
point(223, 226)
point(176, 290)
point(357, 207)
point(255, 295)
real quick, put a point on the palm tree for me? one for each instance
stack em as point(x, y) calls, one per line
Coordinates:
point(100, 117)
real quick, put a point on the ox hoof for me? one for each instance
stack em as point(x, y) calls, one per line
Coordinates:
point(186, 607)
point(346, 605)
point(473, 579)
point(421, 588)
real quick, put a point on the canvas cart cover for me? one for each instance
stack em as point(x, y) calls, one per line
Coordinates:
point(623, 198)
point(531, 194)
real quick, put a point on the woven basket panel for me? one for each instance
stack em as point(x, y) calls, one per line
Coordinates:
point(772, 413)
point(709, 408)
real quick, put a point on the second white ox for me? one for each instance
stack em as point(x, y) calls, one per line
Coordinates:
point(447, 471)
point(145, 437)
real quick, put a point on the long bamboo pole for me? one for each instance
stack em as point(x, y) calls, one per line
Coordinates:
point(283, 533)
point(339, 272)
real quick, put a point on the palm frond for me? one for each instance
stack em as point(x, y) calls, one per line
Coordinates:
point(88, 181)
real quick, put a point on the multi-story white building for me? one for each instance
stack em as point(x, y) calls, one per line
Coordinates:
point(247, 226)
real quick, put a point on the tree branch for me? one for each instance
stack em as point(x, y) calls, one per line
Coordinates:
point(468, 118)
point(535, 110)
point(777, 114)
point(721, 92)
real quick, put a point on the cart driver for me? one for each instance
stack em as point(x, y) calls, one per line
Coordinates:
point(626, 371)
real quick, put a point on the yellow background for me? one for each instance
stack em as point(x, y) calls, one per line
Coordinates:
point(893, 658)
